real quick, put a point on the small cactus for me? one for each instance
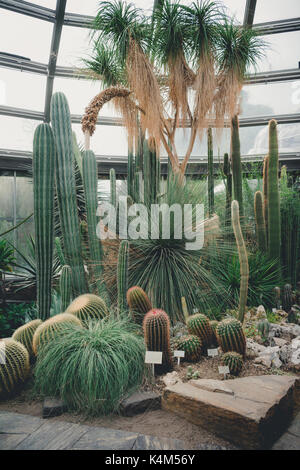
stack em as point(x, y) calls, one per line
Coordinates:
point(14, 366)
point(192, 346)
point(263, 327)
point(277, 296)
point(138, 301)
point(199, 325)
point(88, 307)
point(25, 334)
point(65, 284)
point(50, 328)
point(287, 298)
point(234, 361)
point(231, 336)
point(156, 326)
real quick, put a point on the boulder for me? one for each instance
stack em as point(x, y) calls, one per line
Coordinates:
point(278, 342)
point(254, 349)
point(139, 402)
point(253, 416)
point(171, 378)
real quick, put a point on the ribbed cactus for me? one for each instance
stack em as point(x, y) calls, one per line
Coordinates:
point(227, 173)
point(265, 192)
point(192, 346)
point(90, 184)
point(214, 325)
point(199, 325)
point(277, 296)
point(231, 336)
point(184, 308)
point(138, 302)
point(66, 191)
point(43, 189)
point(122, 275)
point(243, 258)
point(260, 221)
point(59, 251)
point(88, 307)
point(113, 187)
point(151, 178)
point(156, 326)
point(210, 168)
point(14, 366)
point(25, 334)
point(234, 361)
point(274, 230)
point(130, 173)
point(287, 298)
point(263, 327)
point(237, 164)
point(51, 328)
point(65, 284)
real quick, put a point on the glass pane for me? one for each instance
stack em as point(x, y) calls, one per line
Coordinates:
point(82, 8)
point(74, 46)
point(22, 238)
point(23, 90)
point(25, 36)
point(17, 133)
point(7, 200)
point(24, 199)
point(254, 140)
point(46, 3)
point(271, 99)
point(271, 10)
point(107, 140)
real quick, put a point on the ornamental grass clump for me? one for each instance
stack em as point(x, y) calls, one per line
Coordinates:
point(92, 369)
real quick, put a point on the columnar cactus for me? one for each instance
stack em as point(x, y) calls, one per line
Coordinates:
point(227, 173)
point(210, 167)
point(59, 251)
point(277, 296)
point(236, 164)
point(214, 325)
point(138, 301)
point(231, 336)
point(51, 328)
point(156, 326)
point(192, 346)
point(90, 184)
point(43, 189)
point(274, 230)
point(151, 178)
point(14, 366)
point(260, 221)
point(243, 257)
point(66, 190)
point(25, 334)
point(65, 283)
point(199, 325)
point(130, 173)
point(265, 192)
point(113, 187)
point(287, 298)
point(88, 307)
point(184, 308)
point(263, 327)
point(234, 361)
point(122, 275)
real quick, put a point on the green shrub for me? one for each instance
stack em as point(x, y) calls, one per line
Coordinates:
point(92, 369)
point(14, 316)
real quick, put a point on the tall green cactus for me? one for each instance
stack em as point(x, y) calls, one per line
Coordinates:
point(237, 164)
point(90, 184)
point(227, 173)
point(122, 275)
point(210, 167)
point(66, 190)
point(260, 221)
point(265, 193)
point(243, 257)
point(113, 187)
point(65, 283)
point(43, 188)
point(274, 230)
point(59, 251)
point(156, 326)
point(130, 173)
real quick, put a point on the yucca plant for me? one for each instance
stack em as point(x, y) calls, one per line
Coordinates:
point(92, 369)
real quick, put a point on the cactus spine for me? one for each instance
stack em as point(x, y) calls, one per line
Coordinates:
point(66, 191)
point(210, 179)
point(234, 361)
point(14, 366)
point(90, 183)
point(260, 221)
point(156, 326)
point(287, 298)
point(273, 194)
point(231, 336)
point(88, 307)
point(236, 164)
point(65, 283)
point(227, 173)
point(25, 334)
point(192, 346)
point(199, 325)
point(51, 328)
point(243, 257)
point(113, 187)
point(43, 187)
point(122, 275)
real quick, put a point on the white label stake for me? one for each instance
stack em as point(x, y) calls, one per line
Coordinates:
point(179, 354)
point(224, 370)
point(153, 357)
point(212, 352)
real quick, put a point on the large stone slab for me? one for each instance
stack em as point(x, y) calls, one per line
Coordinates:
point(106, 439)
point(253, 417)
point(139, 402)
point(13, 423)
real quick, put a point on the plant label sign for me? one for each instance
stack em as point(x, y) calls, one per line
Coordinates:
point(179, 354)
point(212, 352)
point(224, 370)
point(153, 357)
point(274, 310)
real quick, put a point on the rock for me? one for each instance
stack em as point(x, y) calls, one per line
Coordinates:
point(282, 313)
point(295, 344)
point(253, 418)
point(140, 402)
point(278, 342)
point(212, 386)
point(276, 362)
point(288, 332)
point(264, 360)
point(261, 313)
point(171, 378)
point(53, 407)
point(269, 357)
point(254, 349)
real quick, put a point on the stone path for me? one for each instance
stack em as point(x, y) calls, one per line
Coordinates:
point(23, 432)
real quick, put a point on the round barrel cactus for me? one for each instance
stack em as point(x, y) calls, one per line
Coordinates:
point(52, 327)
point(88, 307)
point(192, 346)
point(156, 326)
point(234, 361)
point(138, 301)
point(199, 325)
point(231, 336)
point(14, 366)
point(25, 334)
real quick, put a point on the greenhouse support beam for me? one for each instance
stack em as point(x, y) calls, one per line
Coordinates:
point(249, 13)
